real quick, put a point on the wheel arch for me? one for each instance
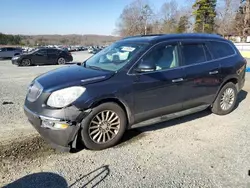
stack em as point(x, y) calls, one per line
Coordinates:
point(119, 102)
point(232, 79)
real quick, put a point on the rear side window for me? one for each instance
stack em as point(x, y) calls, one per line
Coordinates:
point(195, 53)
point(52, 51)
point(10, 49)
point(221, 49)
point(42, 51)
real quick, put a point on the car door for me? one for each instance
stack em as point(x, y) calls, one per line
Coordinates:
point(3, 53)
point(52, 56)
point(159, 92)
point(203, 78)
point(40, 57)
point(9, 52)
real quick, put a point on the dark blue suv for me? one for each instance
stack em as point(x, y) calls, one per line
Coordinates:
point(134, 81)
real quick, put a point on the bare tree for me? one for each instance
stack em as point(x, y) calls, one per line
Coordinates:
point(136, 19)
point(169, 17)
point(226, 16)
point(242, 18)
point(246, 9)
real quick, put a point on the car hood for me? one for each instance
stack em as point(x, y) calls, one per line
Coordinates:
point(72, 75)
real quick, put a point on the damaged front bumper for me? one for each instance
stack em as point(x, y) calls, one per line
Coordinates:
point(59, 132)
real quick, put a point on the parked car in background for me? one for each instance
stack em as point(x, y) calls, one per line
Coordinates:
point(90, 49)
point(134, 82)
point(43, 56)
point(96, 50)
point(9, 52)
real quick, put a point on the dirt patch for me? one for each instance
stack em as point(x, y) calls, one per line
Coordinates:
point(27, 149)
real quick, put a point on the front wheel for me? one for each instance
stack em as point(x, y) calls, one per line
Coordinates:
point(61, 61)
point(26, 62)
point(104, 126)
point(226, 100)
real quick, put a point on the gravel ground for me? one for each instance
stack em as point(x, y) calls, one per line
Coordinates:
point(199, 150)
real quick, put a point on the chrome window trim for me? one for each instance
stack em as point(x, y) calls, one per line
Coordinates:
point(182, 66)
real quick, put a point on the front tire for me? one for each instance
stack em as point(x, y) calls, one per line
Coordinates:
point(104, 126)
point(61, 61)
point(226, 100)
point(26, 62)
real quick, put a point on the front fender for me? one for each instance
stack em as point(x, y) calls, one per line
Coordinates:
point(126, 105)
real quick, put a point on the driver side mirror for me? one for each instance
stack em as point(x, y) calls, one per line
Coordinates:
point(146, 66)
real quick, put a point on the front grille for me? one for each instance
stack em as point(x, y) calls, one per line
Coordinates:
point(35, 90)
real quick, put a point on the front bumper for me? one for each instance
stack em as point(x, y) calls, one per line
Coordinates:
point(69, 58)
point(15, 62)
point(60, 139)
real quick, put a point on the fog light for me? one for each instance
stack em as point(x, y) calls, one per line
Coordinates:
point(61, 125)
point(54, 125)
point(47, 124)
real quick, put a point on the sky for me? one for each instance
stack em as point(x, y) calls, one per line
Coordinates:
point(32, 17)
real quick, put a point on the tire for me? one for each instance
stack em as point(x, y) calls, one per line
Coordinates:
point(26, 62)
point(87, 136)
point(61, 61)
point(221, 108)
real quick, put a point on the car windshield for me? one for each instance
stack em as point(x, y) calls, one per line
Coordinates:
point(114, 57)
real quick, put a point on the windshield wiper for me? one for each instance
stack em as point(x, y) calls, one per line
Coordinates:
point(95, 67)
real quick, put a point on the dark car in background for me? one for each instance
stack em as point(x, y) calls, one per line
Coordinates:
point(43, 56)
point(9, 52)
point(134, 82)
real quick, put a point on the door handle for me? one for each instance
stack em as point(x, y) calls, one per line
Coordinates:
point(213, 72)
point(177, 80)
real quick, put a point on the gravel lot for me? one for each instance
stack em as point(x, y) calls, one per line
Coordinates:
point(200, 150)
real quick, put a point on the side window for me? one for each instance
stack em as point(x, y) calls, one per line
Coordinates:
point(194, 53)
point(208, 53)
point(42, 51)
point(164, 56)
point(2, 49)
point(52, 51)
point(221, 49)
point(10, 49)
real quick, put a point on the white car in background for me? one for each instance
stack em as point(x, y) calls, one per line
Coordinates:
point(9, 52)
point(90, 50)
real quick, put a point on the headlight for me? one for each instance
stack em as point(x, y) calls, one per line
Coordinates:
point(15, 57)
point(64, 97)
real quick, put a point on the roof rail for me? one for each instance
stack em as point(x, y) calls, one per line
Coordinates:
point(150, 35)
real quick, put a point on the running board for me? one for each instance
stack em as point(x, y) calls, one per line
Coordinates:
point(170, 116)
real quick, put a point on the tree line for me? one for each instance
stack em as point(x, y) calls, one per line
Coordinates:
point(224, 17)
point(10, 39)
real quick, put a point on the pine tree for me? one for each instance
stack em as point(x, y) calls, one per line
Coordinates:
point(183, 24)
point(204, 15)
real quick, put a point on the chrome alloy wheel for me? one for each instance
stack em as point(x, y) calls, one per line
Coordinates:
point(227, 99)
point(104, 127)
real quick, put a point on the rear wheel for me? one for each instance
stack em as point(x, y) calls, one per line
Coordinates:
point(226, 100)
point(26, 62)
point(61, 61)
point(104, 126)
